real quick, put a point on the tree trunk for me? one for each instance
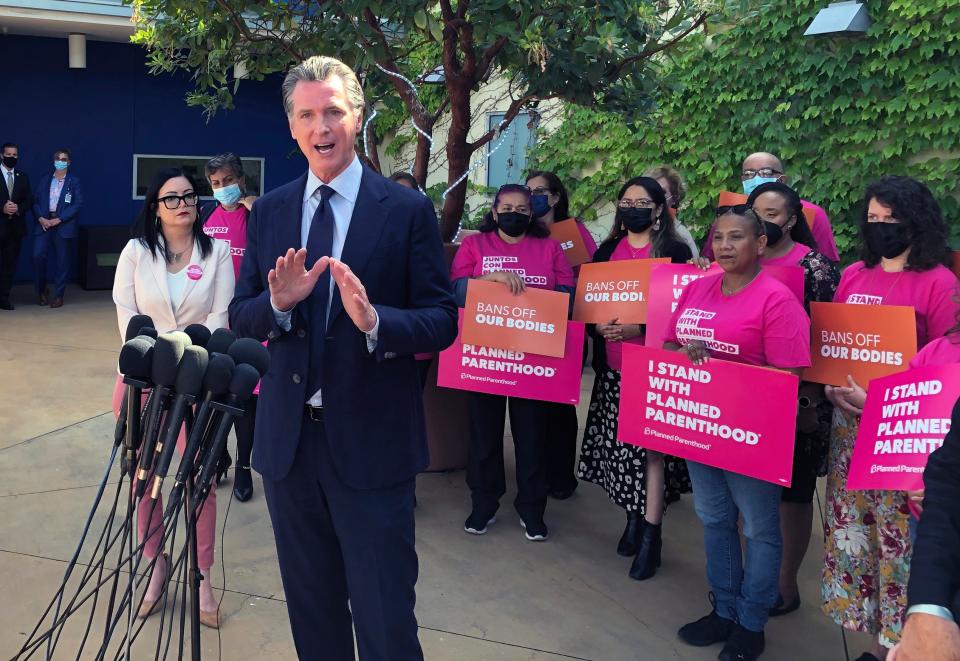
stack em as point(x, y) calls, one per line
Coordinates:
point(458, 155)
point(422, 159)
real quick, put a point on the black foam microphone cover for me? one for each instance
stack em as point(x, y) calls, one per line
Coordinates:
point(219, 371)
point(148, 331)
point(221, 340)
point(199, 334)
point(249, 351)
point(137, 322)
point(136, 358)
point(190, 373)
point(167, 353)
point(243, 381)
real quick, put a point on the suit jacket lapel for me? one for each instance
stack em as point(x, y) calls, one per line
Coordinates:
point(158, 267)
point(289, 220)
point(206, 265)
point(366, 225)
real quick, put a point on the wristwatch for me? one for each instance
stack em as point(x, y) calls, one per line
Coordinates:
point(805, 402)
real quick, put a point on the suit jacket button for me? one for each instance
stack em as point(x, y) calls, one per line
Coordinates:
point(272, 335)
point(301, 333)
point(389, 354)
point(296, 378)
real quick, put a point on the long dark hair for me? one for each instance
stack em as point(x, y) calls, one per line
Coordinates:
point(146, 226)
point(561, 210)
point(801, 230)
point(914, 206)
point(665, 232)
point(536, 228)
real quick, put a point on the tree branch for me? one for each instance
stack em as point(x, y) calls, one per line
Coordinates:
point(486, 60)
point(661, 46)
point(508, 117)
point(241, 25)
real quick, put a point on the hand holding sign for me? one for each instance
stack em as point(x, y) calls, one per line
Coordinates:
point(513, 281)
point(533, 321)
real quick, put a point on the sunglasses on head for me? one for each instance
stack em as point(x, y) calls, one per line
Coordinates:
point(738, 209)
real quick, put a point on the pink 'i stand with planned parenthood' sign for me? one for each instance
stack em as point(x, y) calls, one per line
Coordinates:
point(514, 373)
point(728, 415)
point(904, 419)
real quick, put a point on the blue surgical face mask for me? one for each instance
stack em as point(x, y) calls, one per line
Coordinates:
point(540, 205)
point(750, 184)
point(228, 195)
point(61, 165)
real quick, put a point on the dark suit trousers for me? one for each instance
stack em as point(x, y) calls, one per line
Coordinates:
point(342, 551)
point(62, 250)
point(561, 450)
point(485, 468)
point(10, 238)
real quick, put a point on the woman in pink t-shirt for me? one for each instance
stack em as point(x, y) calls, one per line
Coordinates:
point(905, 249)
point(744, 316)
point(227, 221)
point(515, 250)
point(791, 243)
point(550, 203)
point(640, 481)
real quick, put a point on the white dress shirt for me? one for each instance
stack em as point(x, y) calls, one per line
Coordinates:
point(346, 187)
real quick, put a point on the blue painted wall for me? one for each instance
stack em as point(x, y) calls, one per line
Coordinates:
point(115, 108)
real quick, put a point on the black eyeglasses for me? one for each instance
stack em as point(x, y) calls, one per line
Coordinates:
point(763, 172)
point(738, 209)
point(173, 201)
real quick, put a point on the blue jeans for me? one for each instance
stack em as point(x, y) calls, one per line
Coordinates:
point(743, 593)
point(62, 250)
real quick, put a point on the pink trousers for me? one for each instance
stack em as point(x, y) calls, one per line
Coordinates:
point(152, 521)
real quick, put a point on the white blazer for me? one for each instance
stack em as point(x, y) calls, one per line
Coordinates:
point(140, 287)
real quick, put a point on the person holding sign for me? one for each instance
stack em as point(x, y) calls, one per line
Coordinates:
point(550, 203)
point(639, 481)
point(516, 250)
point(867, 541)
point(749, 317)
point(790, 243)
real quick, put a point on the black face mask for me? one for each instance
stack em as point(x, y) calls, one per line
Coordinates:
point(774, 233)
point(886, 239)
point(635, 220)
point(512, 223)
point(10, 161)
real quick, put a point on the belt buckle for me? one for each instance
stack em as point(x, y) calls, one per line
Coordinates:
point(315, 413)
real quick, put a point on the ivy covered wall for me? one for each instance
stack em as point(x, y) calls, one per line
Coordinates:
point(840, 111)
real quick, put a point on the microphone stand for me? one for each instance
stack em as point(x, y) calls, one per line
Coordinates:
point(193, 570)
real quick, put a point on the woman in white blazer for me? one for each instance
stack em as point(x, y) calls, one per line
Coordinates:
point(176, 274)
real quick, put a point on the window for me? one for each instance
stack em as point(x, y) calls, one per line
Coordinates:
point(147, 165)
point(508, 164)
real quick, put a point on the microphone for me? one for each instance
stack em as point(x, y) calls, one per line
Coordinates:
point(137, 325)
point(137, 322)
point(244, 380)
point(253, 353)
point(167, 353)
point(199, 334)
point(189, 381)
point(220, 340)
point(216, 382)
point(149, 331)
point(136, 357)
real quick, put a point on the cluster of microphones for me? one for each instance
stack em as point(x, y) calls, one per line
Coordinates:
point(194, 377)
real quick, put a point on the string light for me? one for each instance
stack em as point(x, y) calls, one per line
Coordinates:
point(366, 147)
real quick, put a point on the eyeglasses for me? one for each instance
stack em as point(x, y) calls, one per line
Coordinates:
point(738, 209)
point(877, 219)
point(642, 203)
point(763, 172)
point(173, 201)
point(541, 190)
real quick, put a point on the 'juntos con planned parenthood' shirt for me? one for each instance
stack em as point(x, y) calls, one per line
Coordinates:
point(762, 324)
point(540, 262)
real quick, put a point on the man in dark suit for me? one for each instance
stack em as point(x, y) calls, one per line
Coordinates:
point(340, 428)
point(931, 630)
point(16, 200)
point(56, 207)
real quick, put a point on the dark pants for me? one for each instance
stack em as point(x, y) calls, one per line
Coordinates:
point(244, 429)
point(11, 237)
point(335, 545)
point(561, 450)
point(62, 251)
point(485, 470)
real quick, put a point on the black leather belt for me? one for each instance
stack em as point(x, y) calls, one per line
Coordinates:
point(315, 413)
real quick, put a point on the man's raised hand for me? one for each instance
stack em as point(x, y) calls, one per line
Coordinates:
point(290, 282)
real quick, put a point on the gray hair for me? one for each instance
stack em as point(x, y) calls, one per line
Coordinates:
point(225, 161)
point(318, 69)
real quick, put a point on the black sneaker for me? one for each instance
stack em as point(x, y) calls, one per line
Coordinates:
point(743, 645)
point(708, 630)
point(477, 522)
point(536, 531)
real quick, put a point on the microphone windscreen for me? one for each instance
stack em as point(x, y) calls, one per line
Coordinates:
point(243, 381)
point(167, 353)
point(148, 331)
point(190, 373)
point(219, 370)
point(249, 351)
point(136, 358)
point(137, 322)
point(199, 334)
point(181, 337)
point(221, 340)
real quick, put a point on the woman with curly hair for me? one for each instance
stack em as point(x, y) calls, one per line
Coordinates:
point(904, 250)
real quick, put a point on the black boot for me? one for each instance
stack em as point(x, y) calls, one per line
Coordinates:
point(630, 539)
point(242, 483)
point(648, 555)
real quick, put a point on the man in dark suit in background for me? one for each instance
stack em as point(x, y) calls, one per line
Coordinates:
point(345, 275)
point(56, 207)
point(16, 200)
point(931, 630)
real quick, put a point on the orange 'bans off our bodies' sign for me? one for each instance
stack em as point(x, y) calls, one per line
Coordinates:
point(614, 290)
point(567, 234)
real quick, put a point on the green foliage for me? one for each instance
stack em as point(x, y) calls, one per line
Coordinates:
point(840, 111)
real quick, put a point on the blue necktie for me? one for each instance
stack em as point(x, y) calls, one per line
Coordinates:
point(320, 244)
